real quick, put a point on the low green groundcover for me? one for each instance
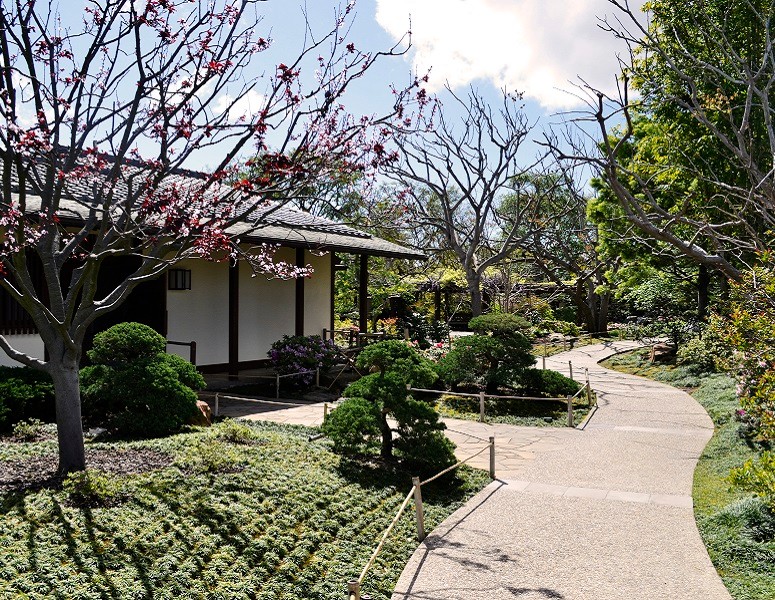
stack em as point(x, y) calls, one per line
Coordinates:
point(235, 513)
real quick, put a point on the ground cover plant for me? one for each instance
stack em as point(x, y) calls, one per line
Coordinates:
point(736, 527)
point(235, 511)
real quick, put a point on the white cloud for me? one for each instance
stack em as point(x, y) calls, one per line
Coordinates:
point(539, 47)
point(249, 105)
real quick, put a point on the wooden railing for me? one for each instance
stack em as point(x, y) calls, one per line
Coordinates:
point(191, 352)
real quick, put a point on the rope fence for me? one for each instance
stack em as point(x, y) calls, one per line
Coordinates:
point(354, 585)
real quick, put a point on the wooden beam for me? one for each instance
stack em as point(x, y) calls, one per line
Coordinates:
point(333, 291)
point(300, 293)
point(363, 294)
point(234, 320)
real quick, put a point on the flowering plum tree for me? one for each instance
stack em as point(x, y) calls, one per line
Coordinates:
point(98, 123)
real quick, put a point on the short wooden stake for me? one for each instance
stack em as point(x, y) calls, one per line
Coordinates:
point(325, 411)
point(418, 509)
point(570, 411)
point(354, 590)
point(277, 386)
point(317, 377)
point(570, 369)
point(492, 457)
point(481, 407)
point(217, 412)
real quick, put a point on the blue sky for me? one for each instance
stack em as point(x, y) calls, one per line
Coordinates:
point(538, 47)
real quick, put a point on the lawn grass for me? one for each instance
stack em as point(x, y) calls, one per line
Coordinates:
point(235, 514)
point(737, 529)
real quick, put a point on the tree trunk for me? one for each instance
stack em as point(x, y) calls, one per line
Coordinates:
point(72, 456)
point(387, 437)
point(703, 292)
point(475, 289)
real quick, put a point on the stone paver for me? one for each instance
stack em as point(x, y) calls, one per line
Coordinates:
point(599, 514)
point(603, 513)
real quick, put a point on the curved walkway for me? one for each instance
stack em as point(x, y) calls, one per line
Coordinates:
point(599, 514)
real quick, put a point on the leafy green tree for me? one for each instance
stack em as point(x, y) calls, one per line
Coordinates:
point(496, 355)
point(692, 167)
point(361, 421)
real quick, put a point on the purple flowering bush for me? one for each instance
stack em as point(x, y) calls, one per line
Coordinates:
point(293, 354)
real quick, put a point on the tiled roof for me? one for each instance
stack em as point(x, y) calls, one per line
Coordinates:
point(271, 223)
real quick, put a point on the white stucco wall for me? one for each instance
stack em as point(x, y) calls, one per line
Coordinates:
point(31, 345)
point(317, 295)
point(201, 314)
point(267, 309)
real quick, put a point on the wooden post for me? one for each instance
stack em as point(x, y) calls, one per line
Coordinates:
point(544, 357)
point(217, 412)
point(325, 411)
point(418, 509)
point(277, 386)
point(406, 333)
point(192, 354)
point(570, 369)
point(354, 590)
point(234, 320)
point(363, 294)
point(570, 411)
point(589, 388)
point(492, 457)
point(317, 377)
point(481, 407)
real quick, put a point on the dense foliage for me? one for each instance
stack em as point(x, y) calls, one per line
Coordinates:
point(297, 353)
point(495, 356)
point(361, 421)
point(281, 519)
point(24, 394)
point(133, 387)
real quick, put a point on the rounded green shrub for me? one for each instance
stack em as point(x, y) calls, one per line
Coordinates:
point(498, 324)
point(361, 423)
point(353, 426)
point(547, 383)
point(126, 342)
point(494, 357)
point(137, 392)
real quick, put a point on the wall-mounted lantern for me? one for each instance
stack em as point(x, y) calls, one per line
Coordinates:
point(179, 279)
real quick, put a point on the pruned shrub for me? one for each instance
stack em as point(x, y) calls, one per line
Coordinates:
point(547, 383)
point(25, 394)
point(354, 426)
point(294, 354)
point(709, 351)
point(360, 423)
point(236, 433)
point(136, 392)
point(124, 343)
point(494, 357)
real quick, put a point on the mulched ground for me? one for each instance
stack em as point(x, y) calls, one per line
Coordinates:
point(36, 472)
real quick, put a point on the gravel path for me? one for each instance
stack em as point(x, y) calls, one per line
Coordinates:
point(595, 514)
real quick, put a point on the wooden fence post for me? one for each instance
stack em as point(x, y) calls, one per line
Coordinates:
point(481, 407)
point(277, 386)
point(492, 457)
point(570, 369)
point(317, 377)
point(354, 590)
point(418, 509)
point(217, 412)
point(325, 411)
point(570, 411)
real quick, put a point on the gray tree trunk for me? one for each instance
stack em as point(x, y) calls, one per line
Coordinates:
point(475, 290)
point(72, 456)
